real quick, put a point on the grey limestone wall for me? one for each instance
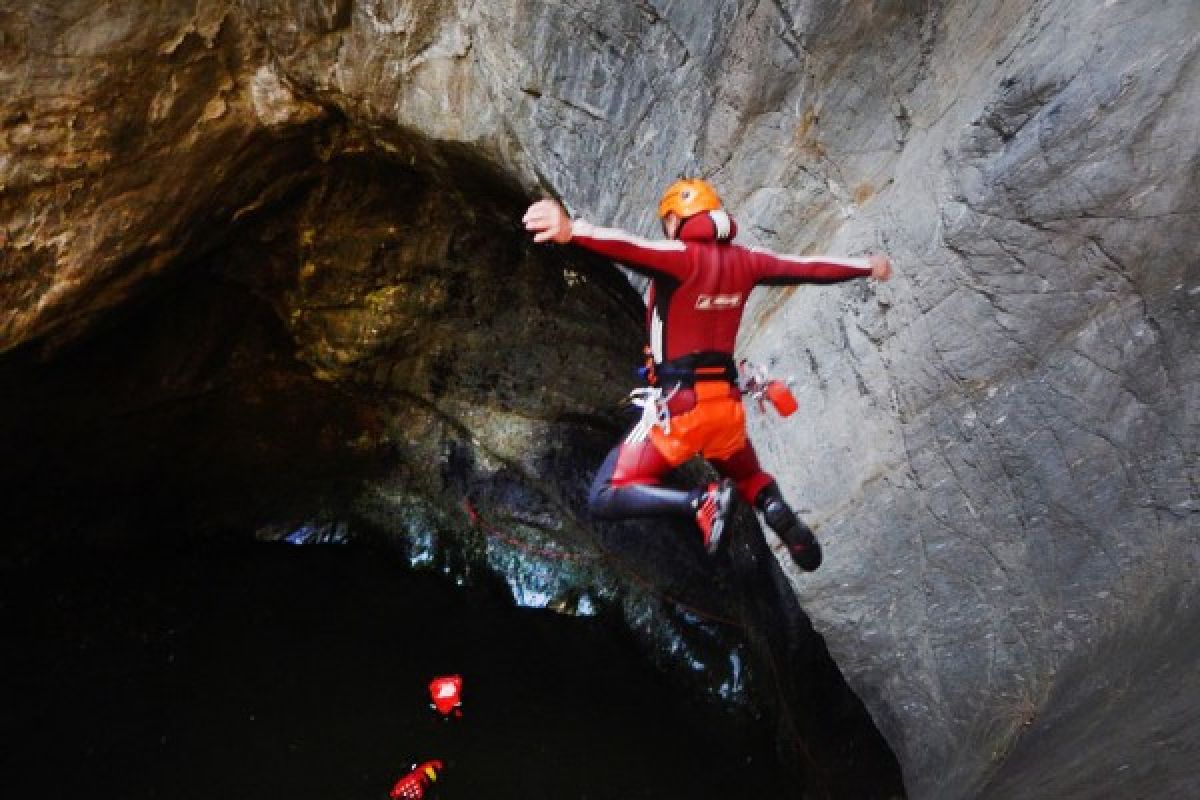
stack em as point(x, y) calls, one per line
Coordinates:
point(999, 446)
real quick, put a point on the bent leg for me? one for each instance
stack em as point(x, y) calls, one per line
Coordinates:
point(798, 537)
point(743, 469)
point(626, 485)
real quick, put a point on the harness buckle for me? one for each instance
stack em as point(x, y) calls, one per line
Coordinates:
point(655, 411)
point(754, 381)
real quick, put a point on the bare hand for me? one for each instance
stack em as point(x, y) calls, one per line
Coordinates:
point(881, 266)
point(548, 221)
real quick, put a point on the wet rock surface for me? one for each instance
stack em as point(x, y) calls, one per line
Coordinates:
point(999, 446)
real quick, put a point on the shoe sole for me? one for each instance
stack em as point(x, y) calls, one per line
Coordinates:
point(724, 501)
point(807, 555)
point(810, 558)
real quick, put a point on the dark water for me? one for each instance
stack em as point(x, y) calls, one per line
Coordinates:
point(265, 671)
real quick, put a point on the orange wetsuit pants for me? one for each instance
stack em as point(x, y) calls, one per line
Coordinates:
point(707, 420)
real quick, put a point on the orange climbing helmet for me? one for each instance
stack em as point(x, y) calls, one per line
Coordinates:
point(688, 197)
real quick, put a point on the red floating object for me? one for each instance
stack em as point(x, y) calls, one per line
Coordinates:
point(413, 785)
point(446, 693)
point(782, 398)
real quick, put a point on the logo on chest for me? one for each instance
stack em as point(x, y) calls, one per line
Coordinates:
point(717, 302)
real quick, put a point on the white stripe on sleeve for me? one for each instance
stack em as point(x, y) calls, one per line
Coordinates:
point(590, 231)
point(853, 263)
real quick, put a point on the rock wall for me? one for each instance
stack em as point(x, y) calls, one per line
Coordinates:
point(999, 446)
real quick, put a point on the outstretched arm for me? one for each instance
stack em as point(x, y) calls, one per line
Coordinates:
point(772, 269)
point(549, 222)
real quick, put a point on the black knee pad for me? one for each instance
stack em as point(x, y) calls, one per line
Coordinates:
point(779, 516)
point(776, 512)
point(799, 539)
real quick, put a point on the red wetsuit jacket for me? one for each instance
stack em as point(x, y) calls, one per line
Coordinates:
point(699, 287)
point(701, 281)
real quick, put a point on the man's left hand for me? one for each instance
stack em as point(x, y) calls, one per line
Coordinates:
point(881, 266)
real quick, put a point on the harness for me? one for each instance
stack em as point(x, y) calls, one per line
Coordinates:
point(681, 374)
point(685, 371)
point(654, 412)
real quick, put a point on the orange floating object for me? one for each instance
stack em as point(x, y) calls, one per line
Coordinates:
point(782, 398)
point(413, 785)
point(446, 693)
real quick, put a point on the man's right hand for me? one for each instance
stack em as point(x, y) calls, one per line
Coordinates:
point(881, 266)
point(548, 221)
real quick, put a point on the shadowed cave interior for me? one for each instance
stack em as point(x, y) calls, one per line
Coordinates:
point(285, 364)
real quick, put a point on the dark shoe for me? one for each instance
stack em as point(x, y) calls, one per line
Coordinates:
point(712, 512)
point(803, 546)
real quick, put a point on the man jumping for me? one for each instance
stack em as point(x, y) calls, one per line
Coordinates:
point(699, 283)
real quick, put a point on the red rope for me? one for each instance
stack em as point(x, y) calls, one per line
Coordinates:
point(478, 521)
